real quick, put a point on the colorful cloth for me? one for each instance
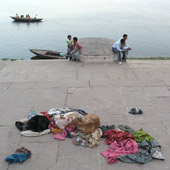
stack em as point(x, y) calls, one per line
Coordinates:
point(116, 149)
point(65, 133)
point(20, 155)
point(126, 128)
point(141, 135)
point(105, 128)
point(112, 135)
point(147, 151)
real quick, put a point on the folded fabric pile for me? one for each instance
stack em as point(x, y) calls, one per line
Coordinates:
point(20, 155)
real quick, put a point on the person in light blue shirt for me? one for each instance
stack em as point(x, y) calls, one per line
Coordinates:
point(126, 47)
point(121, 46)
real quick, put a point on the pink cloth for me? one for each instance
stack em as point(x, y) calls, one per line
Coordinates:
point(124, 147)
point(62, 136)
point(58, 136)
point(71, 128)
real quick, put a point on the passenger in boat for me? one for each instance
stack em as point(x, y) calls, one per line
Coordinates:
point(17, 16)
point(69, 46)
point(77, 47)
point(22, 16)
point(28, 16)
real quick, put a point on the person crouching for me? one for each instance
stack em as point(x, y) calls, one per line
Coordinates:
point(77, 47)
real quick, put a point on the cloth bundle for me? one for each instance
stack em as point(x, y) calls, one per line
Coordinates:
point(90, 140)
point(20, 155)
point(123, 146)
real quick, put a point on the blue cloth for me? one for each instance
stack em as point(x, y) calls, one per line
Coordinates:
point(18, 157)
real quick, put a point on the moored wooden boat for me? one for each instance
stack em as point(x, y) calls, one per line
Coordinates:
point(27, 20)
point(48, 54)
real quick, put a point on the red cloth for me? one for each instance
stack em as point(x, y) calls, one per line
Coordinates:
point(116, 149)
point(112, 135)
point(46, 115)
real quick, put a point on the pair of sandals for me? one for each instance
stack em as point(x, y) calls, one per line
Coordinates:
point(136, 110)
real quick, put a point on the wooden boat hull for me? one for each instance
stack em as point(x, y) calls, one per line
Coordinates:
point(27, 20)
point(48, 54)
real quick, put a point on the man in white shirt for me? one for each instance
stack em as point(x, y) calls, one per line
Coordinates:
point(121, 46)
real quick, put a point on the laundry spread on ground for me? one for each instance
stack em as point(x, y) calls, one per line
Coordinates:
point(118, 148)
point(20, 155)
point(125, 144)
point(142, 147)
point(141, 135)
point(112, 135)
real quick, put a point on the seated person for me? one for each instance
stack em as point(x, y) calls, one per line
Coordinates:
point(118, 47)
point(17, 16)
point(77, 47)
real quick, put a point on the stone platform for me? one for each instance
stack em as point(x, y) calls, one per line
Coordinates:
point(96, 50)
point(108, 90)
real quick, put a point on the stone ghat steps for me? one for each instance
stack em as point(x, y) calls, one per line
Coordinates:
point(96, 50)
point(96, 59)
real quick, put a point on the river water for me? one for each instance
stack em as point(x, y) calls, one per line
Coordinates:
point(147, 22)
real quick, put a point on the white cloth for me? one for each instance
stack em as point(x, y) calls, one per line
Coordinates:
point(31, 133)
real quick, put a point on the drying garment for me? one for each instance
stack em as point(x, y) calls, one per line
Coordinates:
point(33, 113)
point(31, 133)
point(54, 128)
point(65, 133)
point(20, 155)
point(38, 123)
point(141, 135)
point(95, 137)
point(116, 149)
point(21, 125)
point(105, 128)
point(136, 110)
point(80, 111)
point(147, 151)
point(22, 150)
point(126, 128)
point(46, 115)
point(112, 135)
point(90, 140)
point(63, 111)
point(69, 130)
point(59, 136)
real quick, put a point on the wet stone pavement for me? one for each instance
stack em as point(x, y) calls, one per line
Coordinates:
point(108, 90)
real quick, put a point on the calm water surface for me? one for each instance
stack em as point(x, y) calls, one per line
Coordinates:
point(147, 22)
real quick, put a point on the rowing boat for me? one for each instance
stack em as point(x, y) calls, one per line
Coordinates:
point(26, 19)
point(48, 54)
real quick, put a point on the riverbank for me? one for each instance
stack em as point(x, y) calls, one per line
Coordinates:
point(106, 89)
point(130, 58)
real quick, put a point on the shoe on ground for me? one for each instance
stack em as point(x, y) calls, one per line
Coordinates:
point(119, 62)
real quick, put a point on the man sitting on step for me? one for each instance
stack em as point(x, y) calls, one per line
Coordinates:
point(121, 46)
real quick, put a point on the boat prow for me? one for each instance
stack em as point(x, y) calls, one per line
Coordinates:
point(48, 54)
